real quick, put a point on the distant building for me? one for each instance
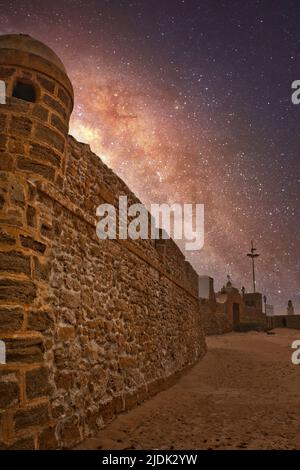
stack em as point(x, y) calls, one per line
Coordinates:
point(206, 288)
point(254, 299)
point(290, 308)
point(232, 309)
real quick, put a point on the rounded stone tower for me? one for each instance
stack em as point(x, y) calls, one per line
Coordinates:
point(34, 121)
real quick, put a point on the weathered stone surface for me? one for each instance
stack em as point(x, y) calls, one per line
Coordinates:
point(27, 350)
point(46, 231)
point(66, 333)
point(70, 431)
point(17, 194)
point(6, 72)
point(17, 106)
point(37, 383)
point(40, 321)
point(50, 137)
point(7, 238)
point(3, 143)
point(70, 299)
point(11, 318)
point(16, 144)
point(48, 439)
point(57, 411)
point(15, 262)
point(21, 125)
point(55, 105)
point(34, 245)
point(34, 167)
point(31, 216)
point(11, 219)
point(41, 270)
point(2, 426)
point(64, 380)
point(34, 416)
point(110, 408)
point(131, 400)
point(140, 326)
point(3, 120)
point(2, 201)
point(58, 124)
point(17, 290)
point(49, 85)
point(45, 154)
point(6, 160)
point(62, 95)
point(9, 389)
point(26, 443)
point(40, 112)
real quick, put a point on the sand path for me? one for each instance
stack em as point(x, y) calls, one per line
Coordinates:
point(245, 394)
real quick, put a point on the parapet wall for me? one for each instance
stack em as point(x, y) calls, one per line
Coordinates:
point(90, 182)
point(253, 315)
point(126, 320)
point(284, 321)
point(215, 320)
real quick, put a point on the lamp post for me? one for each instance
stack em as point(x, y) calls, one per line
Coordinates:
point(253, 255)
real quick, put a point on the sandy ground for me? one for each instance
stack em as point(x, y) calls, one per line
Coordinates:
point(245, 394)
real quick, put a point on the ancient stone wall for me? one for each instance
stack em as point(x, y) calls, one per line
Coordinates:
point(253, 315)
point(284, 321)
point(91, 327)
point(214, 318)
point(124, 324)
point(218, 318)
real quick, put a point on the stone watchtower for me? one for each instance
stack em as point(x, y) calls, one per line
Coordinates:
point(39, 95)
point(34, 125)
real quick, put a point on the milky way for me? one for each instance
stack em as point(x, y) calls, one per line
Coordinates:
point(190, 101)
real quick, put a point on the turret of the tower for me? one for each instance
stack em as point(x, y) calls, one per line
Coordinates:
point(39, 100)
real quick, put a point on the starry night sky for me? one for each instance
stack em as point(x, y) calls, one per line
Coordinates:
point(190, 101)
